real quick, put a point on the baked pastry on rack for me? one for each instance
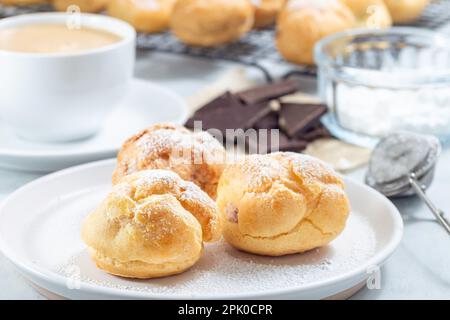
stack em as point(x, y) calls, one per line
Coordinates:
point(266, 12)
point(304, 22)
point(22, 2)
point(370, 13)
point(148, 16)
point(195, 156)
point(211, 23)
point(152, 224)
point(404, 11)
point(281, 203)
point(84, 5)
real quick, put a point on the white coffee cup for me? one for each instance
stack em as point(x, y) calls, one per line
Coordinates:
point(64, 96)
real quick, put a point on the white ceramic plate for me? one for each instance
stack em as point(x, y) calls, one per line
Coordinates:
point(39, 233)
point(146, 104)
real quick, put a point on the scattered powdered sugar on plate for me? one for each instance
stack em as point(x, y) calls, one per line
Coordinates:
point(223, 270)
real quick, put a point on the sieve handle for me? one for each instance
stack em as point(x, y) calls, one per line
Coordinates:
point(439, 214)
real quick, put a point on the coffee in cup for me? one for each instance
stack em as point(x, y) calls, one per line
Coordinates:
point(54, 38)
point(59, 84)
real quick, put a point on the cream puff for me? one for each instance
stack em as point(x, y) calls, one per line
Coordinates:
point(195, 156)
point(281, 203)
point(152, 224)
point(148, 16)
point(266, 12)
point(370, 13)
point(404, 11)
point(211, 23)
point(302, 23)
point(84, 5)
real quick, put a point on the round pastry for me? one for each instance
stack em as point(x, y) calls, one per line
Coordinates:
point(22, 2)
point(152, 224)
point(266, 12)
point(404, 11)
point(281, 203)
point(304, 22)
point(145, 15)
point(370, 13)
point(211, 22)
point(84, 5)
point(196, 157)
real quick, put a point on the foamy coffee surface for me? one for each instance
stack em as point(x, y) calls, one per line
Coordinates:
point(54, 38)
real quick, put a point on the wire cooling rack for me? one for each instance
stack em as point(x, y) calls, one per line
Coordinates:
point(256, 46)
point(259, 45)
point(435, 15)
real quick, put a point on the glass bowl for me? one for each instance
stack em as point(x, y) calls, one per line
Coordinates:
point(379, 81)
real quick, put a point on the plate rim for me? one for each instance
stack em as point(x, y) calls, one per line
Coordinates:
point(57, 280)
point(42, 155)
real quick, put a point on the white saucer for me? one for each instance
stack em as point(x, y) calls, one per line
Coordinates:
point(45, 246)
point(147, 103)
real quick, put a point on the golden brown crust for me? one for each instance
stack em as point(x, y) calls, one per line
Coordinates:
point(302, 23)
point(84, 5)
point(266, 12)
point(404, 11)
point(151, 224)
point(370, 13)
point(211, 22)
point(144, 15)
point(139, 269)
point(196, 157)
point(281, 203)
point(146, 183)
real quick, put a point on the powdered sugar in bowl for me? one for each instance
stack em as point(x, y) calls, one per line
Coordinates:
point(379, 81)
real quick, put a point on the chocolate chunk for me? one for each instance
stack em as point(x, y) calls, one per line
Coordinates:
point(270, 121)
point(284, 144)
point(263, 110)
point(267, 109)
point(222, 102)
point(293, 145)
point(263, 144)
point(298, 118)
point(297, 124)
point(317, 132)
point(268, 92)
point(224, 112)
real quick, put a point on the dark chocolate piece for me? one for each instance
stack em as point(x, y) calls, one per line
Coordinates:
point(268, 92)
point(270, 121)
point(258, 108)
point(293, 145)
point(255, 145)
point(221, 102)
point(284, 144)
point(317, 132)
point(224, 112)
point(297, 118)
point(262, 112)
point(267, 108)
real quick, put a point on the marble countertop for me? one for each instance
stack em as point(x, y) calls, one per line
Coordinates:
point(419, 269)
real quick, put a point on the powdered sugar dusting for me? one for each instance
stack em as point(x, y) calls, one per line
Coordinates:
point(261, 170)
point(175, 141)
point(223, 270)
point(148, 4)
point(320, 4)
point(171, 182)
